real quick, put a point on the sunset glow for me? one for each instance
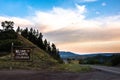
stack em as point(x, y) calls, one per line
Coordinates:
point(82, 26)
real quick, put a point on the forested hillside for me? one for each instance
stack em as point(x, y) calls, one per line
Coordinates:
point(8, 36)
point(44, 54)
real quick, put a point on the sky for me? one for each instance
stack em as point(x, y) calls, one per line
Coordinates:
point(81, 26)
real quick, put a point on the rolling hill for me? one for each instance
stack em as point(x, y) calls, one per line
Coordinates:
point(72, 55)
point(41, 60)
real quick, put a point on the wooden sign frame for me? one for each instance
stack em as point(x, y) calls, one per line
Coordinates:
point(20, 53)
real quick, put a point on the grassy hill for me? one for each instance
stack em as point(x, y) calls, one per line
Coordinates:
point(41, 60)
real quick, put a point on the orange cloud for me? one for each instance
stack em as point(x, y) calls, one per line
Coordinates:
point(70, 30)
point(91, 47)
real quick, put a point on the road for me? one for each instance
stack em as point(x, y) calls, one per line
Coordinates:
point(105, 68)
point(38, 75)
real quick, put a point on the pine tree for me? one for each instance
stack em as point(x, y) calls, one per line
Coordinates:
point(40, 41)
point(49, 49)
point(45, 44)
point(37, 38)
point(55, 53)
point(25, 33)
point(18, 30)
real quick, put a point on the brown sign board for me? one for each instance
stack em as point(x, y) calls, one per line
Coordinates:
point(22, 53)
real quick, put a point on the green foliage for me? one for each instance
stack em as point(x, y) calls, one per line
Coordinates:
point(73, 68)
point(41, 60)
point(7, 36)
point(37, 38)
point(112, 60)
point(115, 59)
point(18, 29)
point(5, 45)
point(7, 25)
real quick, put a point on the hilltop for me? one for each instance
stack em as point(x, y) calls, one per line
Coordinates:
point(41, 60)
point(45, 55)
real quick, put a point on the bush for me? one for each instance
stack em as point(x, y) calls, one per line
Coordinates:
point(5, 45)
point(6, 39)
point(8, 35)
point(115, 60)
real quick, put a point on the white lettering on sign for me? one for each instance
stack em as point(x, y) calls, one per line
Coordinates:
point(22, 54)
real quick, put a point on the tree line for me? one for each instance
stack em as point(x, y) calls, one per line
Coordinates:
point(36, 37)
point(9, 35)
point(112, 60)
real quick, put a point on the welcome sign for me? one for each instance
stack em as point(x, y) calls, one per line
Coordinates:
point(22, 53)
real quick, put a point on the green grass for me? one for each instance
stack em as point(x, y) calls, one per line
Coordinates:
point(41, 63)
point(38, 63)
point(41, 60)
point(72, 68)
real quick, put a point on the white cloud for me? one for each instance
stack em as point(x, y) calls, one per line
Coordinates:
point(88, 30)
point(22, 22)
point(69, 27)
point(59, 18)
point(54, 19)
point(103, 4)
point(81, 9)
point(97, 31)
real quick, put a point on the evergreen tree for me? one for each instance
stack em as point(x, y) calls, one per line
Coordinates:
point(31, 36)
point(55, 53)
point(37, 34)
point(49, 48)
point(37, 38)
point(45, 45)
point(34, 32)
point(31, 31)
point(40, 41)
point(18, 30)
point(25, 33)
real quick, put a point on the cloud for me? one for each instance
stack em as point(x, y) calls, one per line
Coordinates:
point(99, 32)
point(103, 4)
point(92, 47)
point(22, 22)
point(59, 18)
point(70, 29)
point(95, 35)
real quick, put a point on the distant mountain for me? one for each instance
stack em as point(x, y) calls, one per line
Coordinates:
point(71, 55)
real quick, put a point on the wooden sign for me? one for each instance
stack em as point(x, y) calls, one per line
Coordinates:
point(22, 54)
